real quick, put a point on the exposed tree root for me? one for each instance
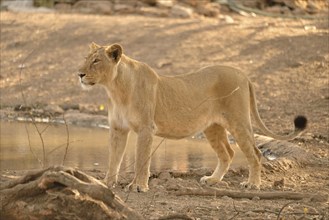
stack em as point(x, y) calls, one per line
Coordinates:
point(61, 193)
point(251, 194)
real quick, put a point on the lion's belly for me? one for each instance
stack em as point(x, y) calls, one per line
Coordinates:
point(180, 128)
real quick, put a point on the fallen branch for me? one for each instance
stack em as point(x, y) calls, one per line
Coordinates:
point(176, 216)
point(250, 195)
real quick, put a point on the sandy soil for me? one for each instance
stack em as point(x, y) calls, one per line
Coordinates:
point(288, 60)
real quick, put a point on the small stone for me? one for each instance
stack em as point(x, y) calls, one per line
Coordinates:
point(208, 10)
point(156, 182)
point(66, 107)
point(309, 28)
point(221, 184)
point(296, 64)
point(181, 11)
point(226, 198)
point(279, 183)
point(228, 19)
point(22, 108)
point(165, 3)
point(38, 111)
point(164, 176)
point(21, 66)
point(249, 213)
point(21, 204)
point(54, 109)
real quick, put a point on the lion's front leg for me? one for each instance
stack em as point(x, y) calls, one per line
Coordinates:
point(142, 161)
point(118, 140)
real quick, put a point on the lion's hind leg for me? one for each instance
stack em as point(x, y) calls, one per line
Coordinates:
point(244, 137)
point(217, 137)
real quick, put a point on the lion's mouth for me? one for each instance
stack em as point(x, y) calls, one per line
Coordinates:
point(86, 83)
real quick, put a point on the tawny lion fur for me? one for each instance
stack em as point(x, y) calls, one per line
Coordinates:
point(214, 99)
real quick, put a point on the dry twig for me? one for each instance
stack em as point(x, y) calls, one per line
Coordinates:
point(43, 162)
point(67, 140)
point(44, 159)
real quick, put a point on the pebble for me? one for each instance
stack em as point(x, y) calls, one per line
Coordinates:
point(22, 108)
point(309, 27)
point(164, 176)
point(279, 184)
point(228, 19)
point(222, 184)
point(181, 11)
point(54, 109)
point(226, 198)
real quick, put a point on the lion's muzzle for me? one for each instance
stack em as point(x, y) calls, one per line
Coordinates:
point(81, 75)
point(85, 84)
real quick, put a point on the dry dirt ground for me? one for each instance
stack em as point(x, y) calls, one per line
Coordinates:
point(288, 60)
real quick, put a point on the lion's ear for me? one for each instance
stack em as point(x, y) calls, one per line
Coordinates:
point(93, 46)
point(114, 52)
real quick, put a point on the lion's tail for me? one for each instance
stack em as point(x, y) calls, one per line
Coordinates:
point(300, 122)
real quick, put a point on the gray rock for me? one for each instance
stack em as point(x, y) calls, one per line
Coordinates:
point(53, 109)
point(181, 11)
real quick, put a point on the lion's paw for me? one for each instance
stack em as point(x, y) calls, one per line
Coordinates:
point(209, 180)
point(137, 187)
point(248, 185)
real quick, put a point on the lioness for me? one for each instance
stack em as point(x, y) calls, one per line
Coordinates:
point(212, 99)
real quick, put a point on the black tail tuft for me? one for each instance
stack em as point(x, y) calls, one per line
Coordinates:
point(300, 122)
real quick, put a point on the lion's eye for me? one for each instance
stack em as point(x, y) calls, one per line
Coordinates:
point(96, 61)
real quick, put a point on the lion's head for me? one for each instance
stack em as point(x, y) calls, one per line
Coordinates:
point(100, 64)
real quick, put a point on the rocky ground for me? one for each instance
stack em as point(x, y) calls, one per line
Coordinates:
point(288, 61)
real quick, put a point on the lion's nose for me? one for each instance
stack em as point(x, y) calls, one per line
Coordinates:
point(81, 75)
